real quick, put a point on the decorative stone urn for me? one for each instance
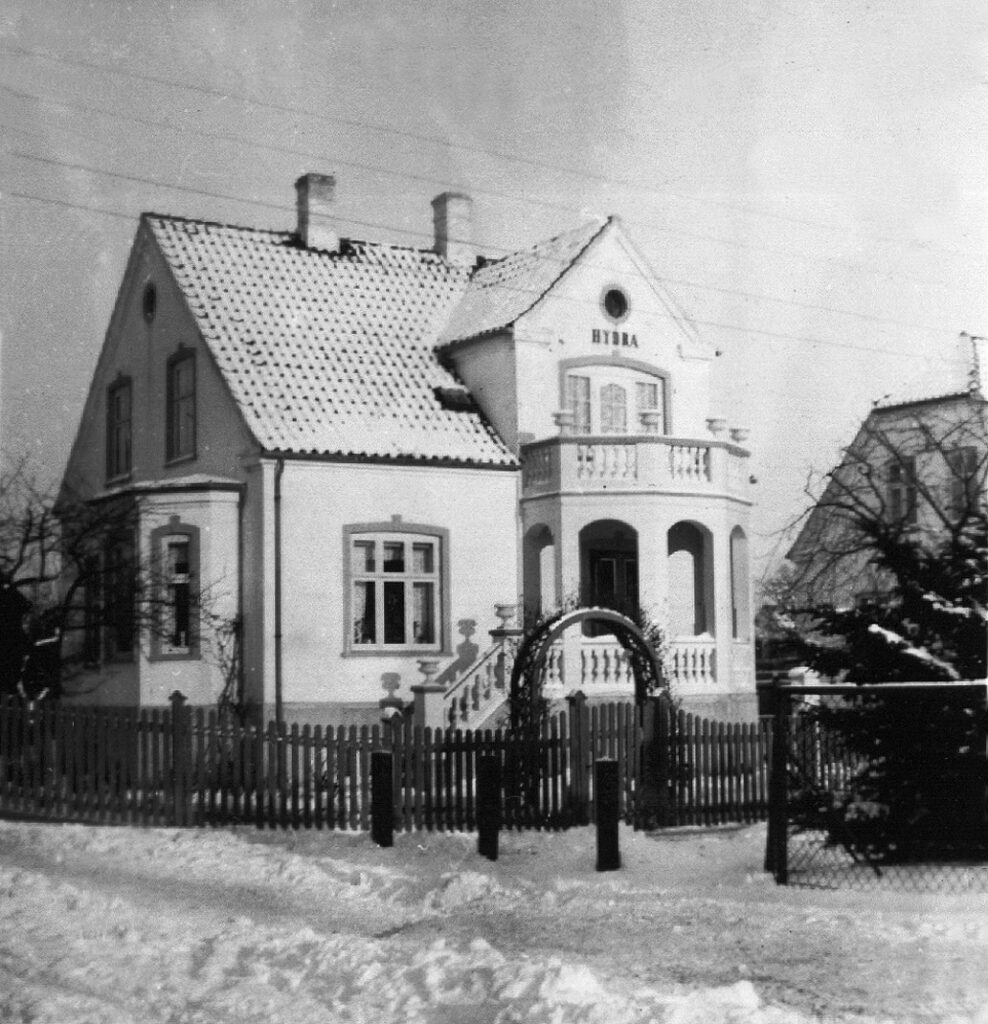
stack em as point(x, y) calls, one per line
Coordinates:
point(740, 434)
point(651, 420)
point(429, 667)
point(505, 612)
point(716, 425)
point(565, 420)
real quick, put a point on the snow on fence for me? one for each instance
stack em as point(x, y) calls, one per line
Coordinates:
point(192, 767)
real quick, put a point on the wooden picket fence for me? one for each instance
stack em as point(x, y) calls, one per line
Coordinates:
point(191, 767)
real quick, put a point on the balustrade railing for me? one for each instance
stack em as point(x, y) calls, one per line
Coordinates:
point(679, 465)
point(693, 663)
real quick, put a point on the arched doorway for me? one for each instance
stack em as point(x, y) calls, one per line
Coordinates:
point(609, 567)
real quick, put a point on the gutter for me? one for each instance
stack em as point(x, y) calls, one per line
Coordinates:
point(279, 469)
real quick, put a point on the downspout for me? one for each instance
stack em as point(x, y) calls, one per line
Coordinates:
point(279, 469)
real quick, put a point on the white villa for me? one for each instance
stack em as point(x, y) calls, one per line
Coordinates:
point(361, 449)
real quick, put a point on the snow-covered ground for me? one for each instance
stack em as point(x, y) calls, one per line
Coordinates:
point(109, 925)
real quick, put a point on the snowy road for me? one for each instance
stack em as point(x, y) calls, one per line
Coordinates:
point(110, 925)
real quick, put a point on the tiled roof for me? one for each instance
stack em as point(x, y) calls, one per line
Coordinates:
point(330, 354)
point(502, 291)
point(959, 369)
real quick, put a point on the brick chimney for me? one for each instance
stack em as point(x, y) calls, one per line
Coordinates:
point(316, 226)
point(452, 218)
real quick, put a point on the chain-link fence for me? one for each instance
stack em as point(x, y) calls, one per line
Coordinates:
point(880, 786)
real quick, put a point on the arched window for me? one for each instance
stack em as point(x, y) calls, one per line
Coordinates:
point(613, 409)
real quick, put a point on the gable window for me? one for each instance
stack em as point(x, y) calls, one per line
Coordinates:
point(901, 479)
point(118, 429)
point(395, 589)
point(613, 409)
point(175, 617)
point(964, 482)
point(181, 403)
point(578, 402)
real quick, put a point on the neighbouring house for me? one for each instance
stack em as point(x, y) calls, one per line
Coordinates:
point(918, 464)
point(359, 449)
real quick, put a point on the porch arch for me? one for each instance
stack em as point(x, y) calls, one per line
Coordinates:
point(740, 588)
point(691, 579)
point(539, 570)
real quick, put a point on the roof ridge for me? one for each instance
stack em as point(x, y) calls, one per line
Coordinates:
point(288, 233)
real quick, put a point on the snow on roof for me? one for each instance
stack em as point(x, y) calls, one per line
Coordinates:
point(957, 371)
point(329, 353)
point(502, 291)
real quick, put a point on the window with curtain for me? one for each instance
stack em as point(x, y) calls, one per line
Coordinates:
point(396, 595)
point(613, 409)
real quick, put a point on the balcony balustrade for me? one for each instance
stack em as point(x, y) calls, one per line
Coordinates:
point(661, 464)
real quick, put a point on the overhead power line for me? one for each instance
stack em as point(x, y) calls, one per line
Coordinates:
point(281, 207)
point(699, 322)
point(445, 143)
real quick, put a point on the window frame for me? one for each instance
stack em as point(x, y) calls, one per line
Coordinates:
point(901, 490)
point(595, 368)
point(119, 430)
point(175, 405)
point(380, 533)
point(160, 648)
point(613, 404)
point(964, 481)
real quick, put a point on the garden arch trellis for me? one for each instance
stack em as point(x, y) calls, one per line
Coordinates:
point(528, 670)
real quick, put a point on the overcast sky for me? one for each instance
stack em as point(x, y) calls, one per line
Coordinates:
point(808, 177)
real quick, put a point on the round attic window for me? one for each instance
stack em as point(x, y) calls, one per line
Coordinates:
point(616, 304)
point(149, 301)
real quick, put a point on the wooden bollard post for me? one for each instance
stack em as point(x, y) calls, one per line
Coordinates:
point(606, 790)
point(382, 798)
point(488, 806)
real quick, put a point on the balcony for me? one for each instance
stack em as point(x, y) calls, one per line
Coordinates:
point(665, 465)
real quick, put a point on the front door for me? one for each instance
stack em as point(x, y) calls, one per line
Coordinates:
point(614, 581)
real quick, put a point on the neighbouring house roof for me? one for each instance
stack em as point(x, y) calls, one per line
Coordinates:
point(333, 353)
point(961, 369)
point(501, 291)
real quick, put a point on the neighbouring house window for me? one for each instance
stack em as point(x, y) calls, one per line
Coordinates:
point(395, 590)
point(181, 399)
point(648, 400)
point(118, 429)
point(964, 482)
point(901, 477)
point(578, 402)
point(175, 617)
point(613, 409)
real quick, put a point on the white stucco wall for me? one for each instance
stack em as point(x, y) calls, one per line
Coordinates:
point(477, 507)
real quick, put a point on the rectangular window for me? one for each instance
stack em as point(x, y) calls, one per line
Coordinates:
point(901, 477)
point(178, 597)
point(613, 409)
point(964, 482)
point(395, 591)
point(578, 402)
point(118, 429)
point(181, 399)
